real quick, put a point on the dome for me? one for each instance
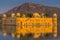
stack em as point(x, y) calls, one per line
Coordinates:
point(12, 15)
point(36, 15)
point(18, 14)
point(4, 15)
point(55, 14)
point(24, 15)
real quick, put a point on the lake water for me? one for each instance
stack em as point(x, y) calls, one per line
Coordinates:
point(8, 37)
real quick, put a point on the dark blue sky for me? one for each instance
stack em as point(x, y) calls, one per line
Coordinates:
point(6, 5)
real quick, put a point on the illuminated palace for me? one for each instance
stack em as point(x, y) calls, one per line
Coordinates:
point(37, 25)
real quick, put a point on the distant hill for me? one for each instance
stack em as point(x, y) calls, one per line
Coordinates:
point(30, 8)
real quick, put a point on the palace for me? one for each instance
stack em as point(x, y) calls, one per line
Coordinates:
point(37, 25)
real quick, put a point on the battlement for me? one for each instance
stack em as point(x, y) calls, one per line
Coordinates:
point(23, 15)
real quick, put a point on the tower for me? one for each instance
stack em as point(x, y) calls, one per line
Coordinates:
point(55, 25)
point(3, 20)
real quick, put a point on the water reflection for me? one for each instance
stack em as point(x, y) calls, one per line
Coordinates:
point(8, 37)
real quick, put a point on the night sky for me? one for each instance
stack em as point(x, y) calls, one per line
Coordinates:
point(6, 5)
